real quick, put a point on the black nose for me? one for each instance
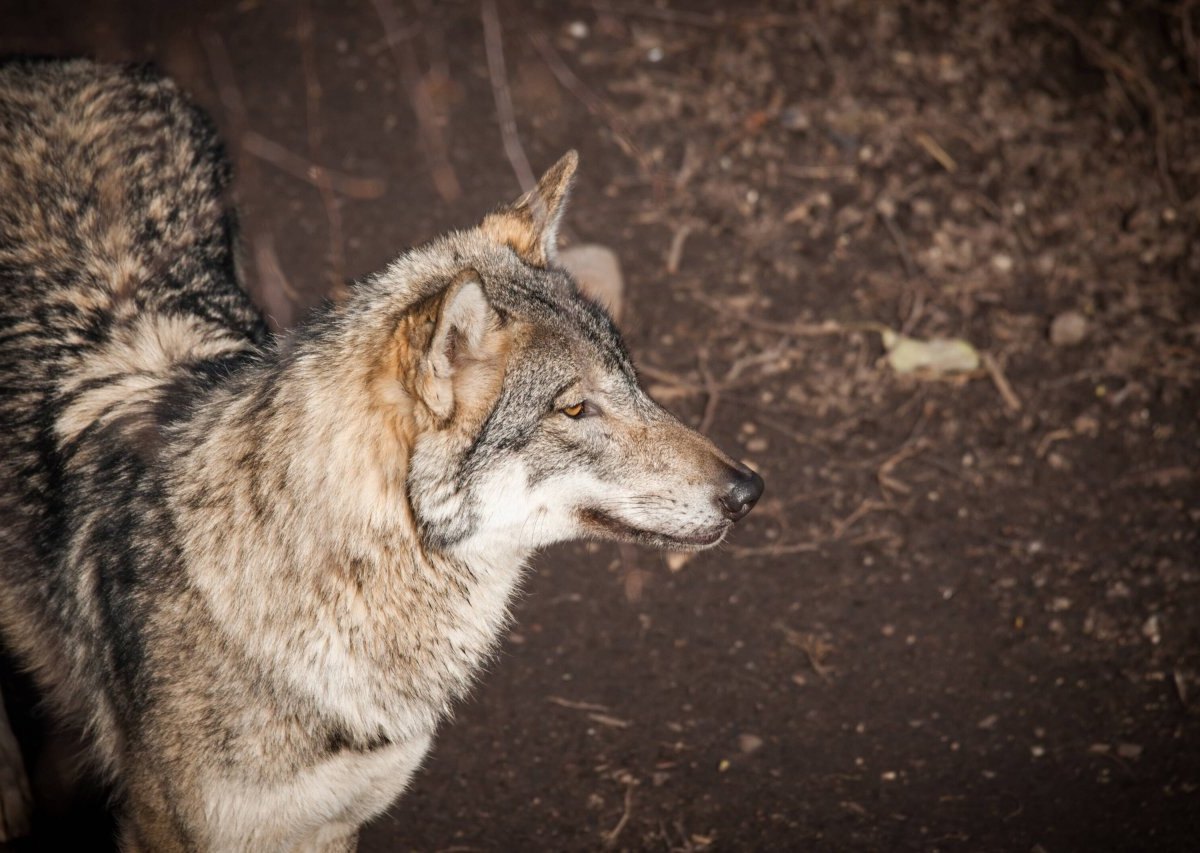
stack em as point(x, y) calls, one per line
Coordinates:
point(744, 490)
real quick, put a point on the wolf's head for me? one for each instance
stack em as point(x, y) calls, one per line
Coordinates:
point(522, 415)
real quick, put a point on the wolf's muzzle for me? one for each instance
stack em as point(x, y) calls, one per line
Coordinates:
point(742, 493)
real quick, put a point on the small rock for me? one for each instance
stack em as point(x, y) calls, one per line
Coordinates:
point(676, 560)
point(1132, 751)
point(988, 722)
point(598, 273)
point(1068, 329)
point(577, 30)
point(749, 743)
point(795, 119)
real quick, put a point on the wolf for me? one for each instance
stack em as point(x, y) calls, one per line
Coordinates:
point(259, 570)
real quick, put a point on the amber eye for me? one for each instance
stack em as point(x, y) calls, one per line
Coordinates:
point(573, 411)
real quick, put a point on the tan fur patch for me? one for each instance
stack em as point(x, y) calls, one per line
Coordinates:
point(515, 229)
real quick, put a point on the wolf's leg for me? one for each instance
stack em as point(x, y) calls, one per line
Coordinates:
point(331, 838)
point(146, 825)
point(16, 803)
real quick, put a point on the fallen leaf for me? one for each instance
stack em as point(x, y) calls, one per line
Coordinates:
point(936, 356)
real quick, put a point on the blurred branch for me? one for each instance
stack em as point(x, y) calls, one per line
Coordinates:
point(494, 45)
point(433, 146)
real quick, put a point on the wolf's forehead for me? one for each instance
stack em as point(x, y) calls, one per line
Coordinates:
point(558, 312)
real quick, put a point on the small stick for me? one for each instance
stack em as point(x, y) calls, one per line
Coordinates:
point(864, 509)
point(800, 330)
point(272, 281)
point(1011, 400)
point(893, 230)
point(270, 151)
point(433, 146)
point(936, 151)
point(497, 71)
point(821, 173)
point(254, 143)
point(675, 254)
point(774, 550)
point(594, 103)
point(320, 175)
point(609, 720)
point(884, 473)
point(610, 837)
point(713, 391)
point(577, 706)
point(222, 72)
point(660, 375)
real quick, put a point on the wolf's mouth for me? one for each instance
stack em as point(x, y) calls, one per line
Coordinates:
point(602, 522)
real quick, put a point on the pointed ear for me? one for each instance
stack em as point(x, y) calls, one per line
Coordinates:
point(463, 319)
point(530, 224)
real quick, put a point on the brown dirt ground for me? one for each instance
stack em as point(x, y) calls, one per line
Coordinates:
point(955, 621)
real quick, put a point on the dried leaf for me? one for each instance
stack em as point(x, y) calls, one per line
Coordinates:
point(937, 356)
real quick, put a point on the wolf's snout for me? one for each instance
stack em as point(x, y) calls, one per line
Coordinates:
point(742, 493)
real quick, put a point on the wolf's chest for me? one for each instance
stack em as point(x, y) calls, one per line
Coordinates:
point(349, 788)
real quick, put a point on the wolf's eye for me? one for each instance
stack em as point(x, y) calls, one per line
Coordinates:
point(574, 411)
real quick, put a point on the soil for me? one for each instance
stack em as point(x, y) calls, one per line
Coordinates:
point(966, 616)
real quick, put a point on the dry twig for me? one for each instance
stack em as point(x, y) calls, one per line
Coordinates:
point(270, 151)
point(675, 253)
point(498, 72)
point(936, 151)
point(433, 146)
point(611, 836)
point(320, 175)
point(711, 389)
point(595, 104)
point(1011, 401)
point(577, 706)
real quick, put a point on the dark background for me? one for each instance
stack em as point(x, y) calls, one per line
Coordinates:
point(966, 616)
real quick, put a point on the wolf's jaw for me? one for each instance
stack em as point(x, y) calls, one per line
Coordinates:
point(609, 526)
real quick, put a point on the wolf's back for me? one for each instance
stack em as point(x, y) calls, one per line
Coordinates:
point(112, 204)
point(117, 277)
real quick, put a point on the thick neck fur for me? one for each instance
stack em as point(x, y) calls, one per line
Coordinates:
point(302, 541)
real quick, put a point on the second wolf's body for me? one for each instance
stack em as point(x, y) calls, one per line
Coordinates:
point(259, 572)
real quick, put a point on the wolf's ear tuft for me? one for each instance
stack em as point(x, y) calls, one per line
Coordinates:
point(529, 226)
point(463, 319)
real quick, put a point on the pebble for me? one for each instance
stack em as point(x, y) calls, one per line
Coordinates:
point(1131, 751)
point(676, 560)
point(749, 743)
point(598, 273)
point(1068, 329)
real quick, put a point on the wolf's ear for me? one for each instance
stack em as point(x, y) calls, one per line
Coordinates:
point(463, 319)
point(530, 224)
